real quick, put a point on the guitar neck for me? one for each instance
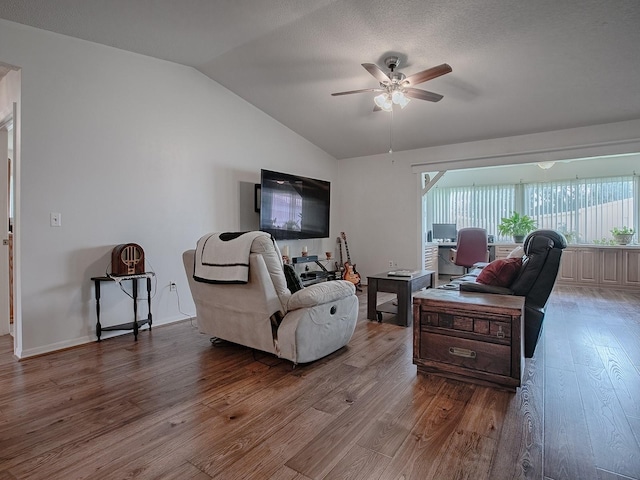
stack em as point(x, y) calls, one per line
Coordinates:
point(346, 247)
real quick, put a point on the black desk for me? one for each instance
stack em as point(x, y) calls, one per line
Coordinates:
point(136, 324)
point(403, 287)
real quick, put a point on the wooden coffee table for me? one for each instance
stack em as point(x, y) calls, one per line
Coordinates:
point(403, 287)
point(475, 337)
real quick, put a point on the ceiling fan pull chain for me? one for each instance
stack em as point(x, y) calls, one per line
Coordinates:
point(391, 133)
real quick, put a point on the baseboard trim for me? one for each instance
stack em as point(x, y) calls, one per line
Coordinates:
point(66, 344)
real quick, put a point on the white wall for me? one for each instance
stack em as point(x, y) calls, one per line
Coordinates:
point(129, 149)
point(382, 191)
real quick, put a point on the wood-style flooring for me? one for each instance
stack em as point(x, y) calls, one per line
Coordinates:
point(172, 406)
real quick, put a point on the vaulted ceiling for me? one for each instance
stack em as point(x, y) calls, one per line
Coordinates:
point(518, 66)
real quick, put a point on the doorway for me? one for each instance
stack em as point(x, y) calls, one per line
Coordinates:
point(7, 142)
point(10, 151)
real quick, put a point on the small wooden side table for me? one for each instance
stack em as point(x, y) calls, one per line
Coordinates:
point(475, 337)
point(136, 324)
point(403, 287)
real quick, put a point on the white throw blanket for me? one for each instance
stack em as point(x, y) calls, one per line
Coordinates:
point(224, 257)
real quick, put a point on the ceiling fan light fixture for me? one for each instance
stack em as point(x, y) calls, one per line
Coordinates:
point(546, 165)
point(404, 101)
point(388, 104)
point(384, 101)
point(380, 99)
point(397, 97)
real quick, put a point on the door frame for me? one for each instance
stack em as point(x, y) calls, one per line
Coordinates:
point(17, 306)
point(6, 129)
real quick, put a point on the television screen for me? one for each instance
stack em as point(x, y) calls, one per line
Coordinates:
point(294, 207)
point(445, 231)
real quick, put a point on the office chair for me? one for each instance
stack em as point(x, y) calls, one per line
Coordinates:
point(471, 247)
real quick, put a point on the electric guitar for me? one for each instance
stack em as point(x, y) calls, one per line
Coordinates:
point(349, 273)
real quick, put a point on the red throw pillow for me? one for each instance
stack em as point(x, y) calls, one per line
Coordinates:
point(500, 273)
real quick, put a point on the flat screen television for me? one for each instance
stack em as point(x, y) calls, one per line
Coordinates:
point(294, 207)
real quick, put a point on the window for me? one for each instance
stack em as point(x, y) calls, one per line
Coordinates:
point(583, 209)
point(475, 206)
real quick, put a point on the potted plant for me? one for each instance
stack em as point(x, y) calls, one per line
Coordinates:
point(571, 237)
point(517, 226)
point(622, 235)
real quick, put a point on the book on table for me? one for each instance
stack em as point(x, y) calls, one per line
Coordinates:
point(401, 273)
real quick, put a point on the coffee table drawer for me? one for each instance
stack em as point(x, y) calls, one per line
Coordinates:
point(498, 327)
point(472, 354)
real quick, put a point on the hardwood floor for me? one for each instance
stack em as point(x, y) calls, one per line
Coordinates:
point(171, 406)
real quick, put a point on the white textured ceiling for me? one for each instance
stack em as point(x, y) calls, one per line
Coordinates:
point(518, 66)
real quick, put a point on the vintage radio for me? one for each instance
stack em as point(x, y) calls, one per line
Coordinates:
point(127, 259)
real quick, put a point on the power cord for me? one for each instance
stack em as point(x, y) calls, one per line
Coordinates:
point(189, 317)
point(139, 299)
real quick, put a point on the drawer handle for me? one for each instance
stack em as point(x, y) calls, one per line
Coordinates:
point(500, 333)
point(462, 352)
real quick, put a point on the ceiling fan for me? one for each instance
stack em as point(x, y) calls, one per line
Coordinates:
point(396, 88)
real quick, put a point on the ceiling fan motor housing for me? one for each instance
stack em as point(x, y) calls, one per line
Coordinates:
point(392, 63)
point(396, 77)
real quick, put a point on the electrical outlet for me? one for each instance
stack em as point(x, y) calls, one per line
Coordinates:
point(391, 263)
point(55, 219)
point(172, 286)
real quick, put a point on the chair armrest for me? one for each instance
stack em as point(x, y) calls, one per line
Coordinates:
point(320, 293)
point(482, 288)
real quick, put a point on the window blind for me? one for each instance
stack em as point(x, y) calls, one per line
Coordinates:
point(481, 206)
point(583, 209)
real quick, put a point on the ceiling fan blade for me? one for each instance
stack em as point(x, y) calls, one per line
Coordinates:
point(374, 70)
point(376, 108)
point(357, 91)
point(428, 74)
point(422, 94)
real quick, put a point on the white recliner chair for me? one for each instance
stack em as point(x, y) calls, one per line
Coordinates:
point(263, 313)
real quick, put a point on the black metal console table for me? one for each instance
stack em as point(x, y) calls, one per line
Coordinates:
point(136, 324)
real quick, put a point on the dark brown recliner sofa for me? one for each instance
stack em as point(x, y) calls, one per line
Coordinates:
point(537, 276)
